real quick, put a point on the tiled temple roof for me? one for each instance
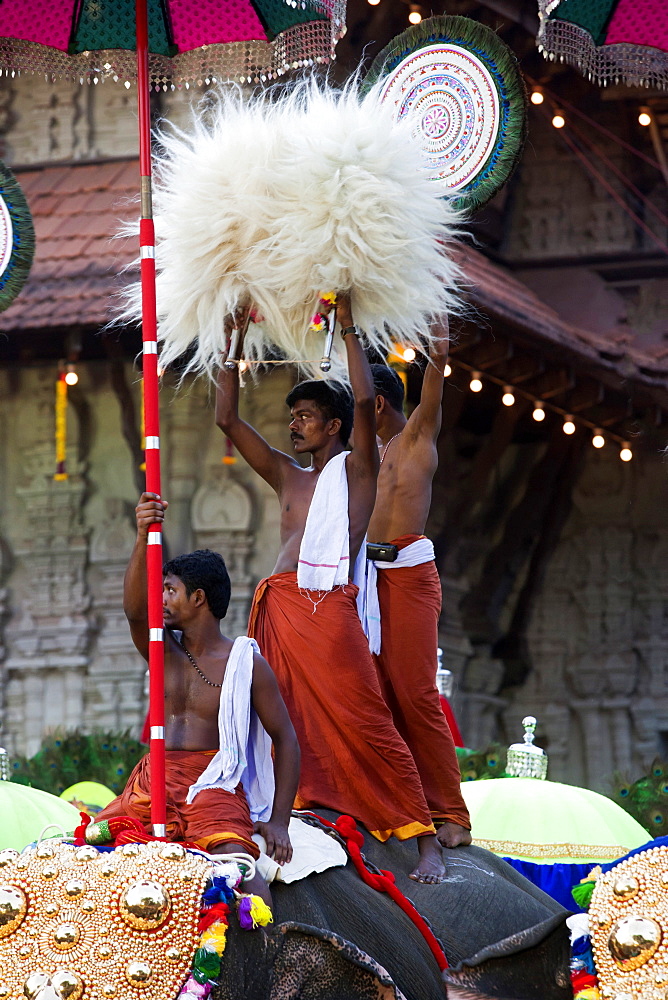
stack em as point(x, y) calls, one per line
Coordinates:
point(77, 209)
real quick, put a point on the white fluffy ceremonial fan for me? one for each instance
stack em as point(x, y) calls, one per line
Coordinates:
point(273, 200)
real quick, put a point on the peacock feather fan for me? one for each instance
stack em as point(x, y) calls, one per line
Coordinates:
point(476, 765)
point(646, 799)
point(67, 758)
point(271, 200)
point(451, 100)
point(16, 229)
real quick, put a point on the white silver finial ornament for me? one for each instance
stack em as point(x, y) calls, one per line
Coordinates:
point(524, 759)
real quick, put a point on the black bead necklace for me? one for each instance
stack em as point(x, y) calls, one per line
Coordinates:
point(194, 663)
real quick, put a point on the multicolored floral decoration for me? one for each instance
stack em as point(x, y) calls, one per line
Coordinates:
point(326, 303)
point(584, 980)
point(252, 912)
point(61, 427)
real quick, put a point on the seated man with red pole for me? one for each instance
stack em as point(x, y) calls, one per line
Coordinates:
point(221, 782)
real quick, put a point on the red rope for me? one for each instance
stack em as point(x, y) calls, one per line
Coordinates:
point(346, 827)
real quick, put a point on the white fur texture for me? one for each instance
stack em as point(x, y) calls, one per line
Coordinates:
point(273, 201)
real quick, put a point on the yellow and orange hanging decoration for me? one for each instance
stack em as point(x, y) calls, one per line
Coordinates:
point(61, 427)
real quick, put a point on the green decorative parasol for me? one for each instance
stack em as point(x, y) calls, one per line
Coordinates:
point(88, 796)
point(532, 819)
point(460, 89)
point(27, 811)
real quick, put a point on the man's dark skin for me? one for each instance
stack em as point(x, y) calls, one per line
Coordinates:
point(313, 434)
point(410, 459)
point(191, 709)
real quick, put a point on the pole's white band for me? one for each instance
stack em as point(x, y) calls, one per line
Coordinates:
point(159, 830)
point(155, 634)
point(152, 442)
point(157, 732)
point(154, 538)
point(150, 347)
point(147, 253)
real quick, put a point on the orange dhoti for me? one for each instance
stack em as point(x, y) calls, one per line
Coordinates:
point(214, 817)
point(353, 759)
point(410, 606)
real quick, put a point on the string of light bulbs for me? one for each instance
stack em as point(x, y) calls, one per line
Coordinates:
point(600, 436)
point(540, 93)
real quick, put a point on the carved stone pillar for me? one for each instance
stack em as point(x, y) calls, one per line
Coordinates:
point(222, 514)
point(114, 694)
point(187, 422)
point(48, 640)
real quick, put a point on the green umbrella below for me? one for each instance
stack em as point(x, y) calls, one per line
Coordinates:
point(27, 811)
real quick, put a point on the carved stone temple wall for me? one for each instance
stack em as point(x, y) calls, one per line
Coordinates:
point(66, 654)
point(598, 637)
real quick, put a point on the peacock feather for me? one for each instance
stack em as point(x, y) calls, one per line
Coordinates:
point(66, 758)
point(646, 799)
point(476, 765)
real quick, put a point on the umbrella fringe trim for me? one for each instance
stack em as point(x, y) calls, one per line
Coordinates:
point(303, 45)
point(582, 852)
point(633, 65)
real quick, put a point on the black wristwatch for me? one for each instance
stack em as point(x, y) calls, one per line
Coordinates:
point(348, 330)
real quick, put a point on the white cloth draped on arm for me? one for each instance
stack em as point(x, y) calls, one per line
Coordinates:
point(244, 753)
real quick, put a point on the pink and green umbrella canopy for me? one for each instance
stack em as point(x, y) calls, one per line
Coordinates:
point(240, 37)
point(609, 40)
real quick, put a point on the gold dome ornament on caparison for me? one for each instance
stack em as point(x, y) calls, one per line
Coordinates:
point(98, 925)
point(628, 919)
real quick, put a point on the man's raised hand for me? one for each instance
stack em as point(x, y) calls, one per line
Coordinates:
point(149, 510)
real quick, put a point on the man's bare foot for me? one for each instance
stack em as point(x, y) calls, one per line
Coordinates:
point(430, 870)
point(453, 835)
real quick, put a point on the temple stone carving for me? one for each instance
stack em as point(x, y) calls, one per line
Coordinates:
point(222, 515)
point(48, 639)
point(114, 688)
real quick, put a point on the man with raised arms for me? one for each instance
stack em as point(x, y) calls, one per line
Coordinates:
point(409, 587)
point(304, 615)
point(223, 713)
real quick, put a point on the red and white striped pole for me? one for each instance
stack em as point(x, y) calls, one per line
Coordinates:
point(156, 656)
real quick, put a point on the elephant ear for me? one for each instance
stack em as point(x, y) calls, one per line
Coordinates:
point(316, 963)
point(513, 969)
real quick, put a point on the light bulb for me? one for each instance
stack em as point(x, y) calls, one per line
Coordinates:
point(598, 440)
point(415, 16)
point(625, 453)
point(538, 411)
point(373, 3)
point(408, 354)
point(569, 426)
point(508, 397)
point(447, 371)
point(644, 118)
point(558, 120)
point(71, 377)
point(537, 96)
point(475, 385)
